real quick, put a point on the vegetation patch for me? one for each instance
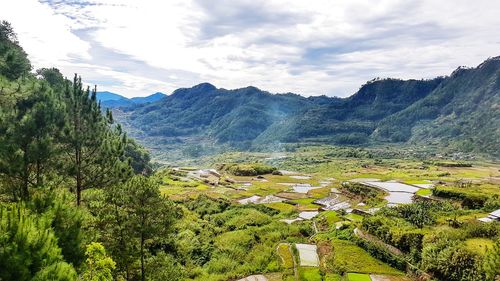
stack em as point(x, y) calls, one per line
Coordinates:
point(479, 245)
point(348, 257)
point(310, 274)
point(253, 169)
point(286, 256)
point(358, 277)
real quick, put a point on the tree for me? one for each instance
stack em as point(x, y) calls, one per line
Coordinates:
point(135, 219)
point(98, 265)
point(13, 60)
point(29, 128)
point(95, 148)
point(163, 267)
point(139, 158)
point(28, 247)
point(67, 221)
point(53, 76)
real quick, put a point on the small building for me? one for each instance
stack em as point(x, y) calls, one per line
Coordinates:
point(493, 216)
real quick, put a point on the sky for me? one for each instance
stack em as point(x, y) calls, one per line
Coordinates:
point(308, 47)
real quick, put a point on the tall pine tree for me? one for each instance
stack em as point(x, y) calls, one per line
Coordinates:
point(93, 145)
point(28, 128)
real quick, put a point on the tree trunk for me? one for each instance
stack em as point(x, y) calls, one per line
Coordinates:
point(78, 176)
point(24, 189)
point(142, 258)
point(78, 191)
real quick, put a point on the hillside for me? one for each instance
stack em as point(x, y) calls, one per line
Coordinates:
point(460, 111)
point(112, 100)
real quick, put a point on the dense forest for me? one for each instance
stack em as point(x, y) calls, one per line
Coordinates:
point(76, 199)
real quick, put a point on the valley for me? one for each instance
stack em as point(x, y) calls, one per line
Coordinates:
point(455, 113)
point(398, 182)
point(341, 208)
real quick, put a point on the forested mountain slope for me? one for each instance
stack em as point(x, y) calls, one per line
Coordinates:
point(225, 115)
point(460, 110)
point(464, 111)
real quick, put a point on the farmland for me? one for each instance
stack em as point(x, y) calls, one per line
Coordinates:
point(281, 206)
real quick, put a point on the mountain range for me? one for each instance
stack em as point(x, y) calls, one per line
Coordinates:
point(460, 111)
point(112, 100)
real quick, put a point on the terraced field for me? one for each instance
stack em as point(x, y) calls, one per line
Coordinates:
point(315, 196)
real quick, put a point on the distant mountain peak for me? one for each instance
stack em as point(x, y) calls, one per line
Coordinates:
point(107, 96)
point(204, 87)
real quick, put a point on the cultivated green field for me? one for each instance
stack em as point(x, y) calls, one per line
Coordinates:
point(464, 192)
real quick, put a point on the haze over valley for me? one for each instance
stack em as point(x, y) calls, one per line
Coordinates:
point(249, 140)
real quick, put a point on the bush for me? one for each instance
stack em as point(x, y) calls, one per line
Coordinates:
point(382, 253)
point(253, 169)
point(28, 247)
point(360, 189)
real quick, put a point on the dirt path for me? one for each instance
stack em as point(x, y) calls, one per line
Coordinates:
point(258, 277)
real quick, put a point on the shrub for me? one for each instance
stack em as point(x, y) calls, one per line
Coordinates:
point(253, 169)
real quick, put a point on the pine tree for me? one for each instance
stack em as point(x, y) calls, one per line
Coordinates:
point(95, 148)
point(29, 126)
point(134, 217)
point(28, 247)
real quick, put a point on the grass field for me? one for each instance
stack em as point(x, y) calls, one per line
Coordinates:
point(479, 245)
point(286, 255)
point(330, 216)
point(354, 258)
point(332, 277)
point(358, 277)
point(310, 274)
point(354, 217)
point(282, 207)
point(424, 192)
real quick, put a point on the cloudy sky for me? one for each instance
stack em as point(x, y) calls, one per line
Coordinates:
point(309, 47)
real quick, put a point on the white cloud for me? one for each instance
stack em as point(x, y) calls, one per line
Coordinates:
point(302, 46)
point(45, 36)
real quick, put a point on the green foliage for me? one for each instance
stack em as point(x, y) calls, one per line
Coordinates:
point(27, 144)
point(13, 60)
point(349, 257)
point(66, 221)
point(231, 241)
point(380, 252)
point(360, 189)
point(469, 200)
point(28, 247)
point(451, 262)
point(98, 265)
point(358, 277)
point(133, 220)
point(203, 205)
point(96, 157)
point(53, 76)
point(139, 158)
point(310, 274)
point(491, 264)
point(164, 267)
point(253, 169)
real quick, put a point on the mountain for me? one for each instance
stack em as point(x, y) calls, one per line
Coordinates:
point(112, 100)
point(151, 98)
point(107, 96)
point(224, 115)
point(460, 111)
